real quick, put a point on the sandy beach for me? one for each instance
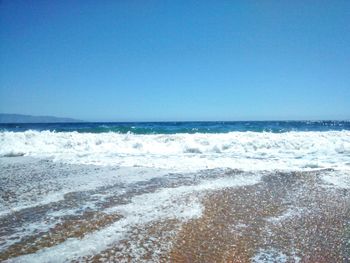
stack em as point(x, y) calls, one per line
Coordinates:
point(277, 217)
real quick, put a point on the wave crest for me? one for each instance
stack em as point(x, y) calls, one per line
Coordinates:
point(242, 150)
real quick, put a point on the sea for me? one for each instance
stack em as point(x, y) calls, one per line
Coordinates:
point(126, 191)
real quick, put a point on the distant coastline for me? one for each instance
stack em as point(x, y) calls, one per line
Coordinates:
point(21, 118)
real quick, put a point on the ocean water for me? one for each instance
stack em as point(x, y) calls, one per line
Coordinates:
point(186, 146)
point(114, 180)
point(182, 127)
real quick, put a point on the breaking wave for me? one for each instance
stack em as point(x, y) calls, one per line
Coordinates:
point(240, 150)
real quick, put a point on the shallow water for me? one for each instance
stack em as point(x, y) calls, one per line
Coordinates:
point(54, 212)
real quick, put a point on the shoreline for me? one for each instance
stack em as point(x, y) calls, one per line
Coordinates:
point(211, 216)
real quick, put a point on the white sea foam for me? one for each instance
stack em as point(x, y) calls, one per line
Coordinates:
point(290, 213)
point(38, 183)
point(273, 255)
point(181, 203)
point(187, 152)
point(51, 184)
point(337, 179)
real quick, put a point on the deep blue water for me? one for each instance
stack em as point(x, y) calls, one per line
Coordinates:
point(182, 127)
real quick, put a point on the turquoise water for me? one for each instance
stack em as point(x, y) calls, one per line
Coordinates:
point(182, 127)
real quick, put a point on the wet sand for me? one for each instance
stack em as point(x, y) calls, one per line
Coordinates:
point(286, 217)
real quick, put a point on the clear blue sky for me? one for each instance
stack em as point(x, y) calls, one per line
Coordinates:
point(176, 60)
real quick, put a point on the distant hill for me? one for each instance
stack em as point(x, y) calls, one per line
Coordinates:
point(20, 118)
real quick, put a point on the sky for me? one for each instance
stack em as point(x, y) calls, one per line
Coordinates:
point(176, 60)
